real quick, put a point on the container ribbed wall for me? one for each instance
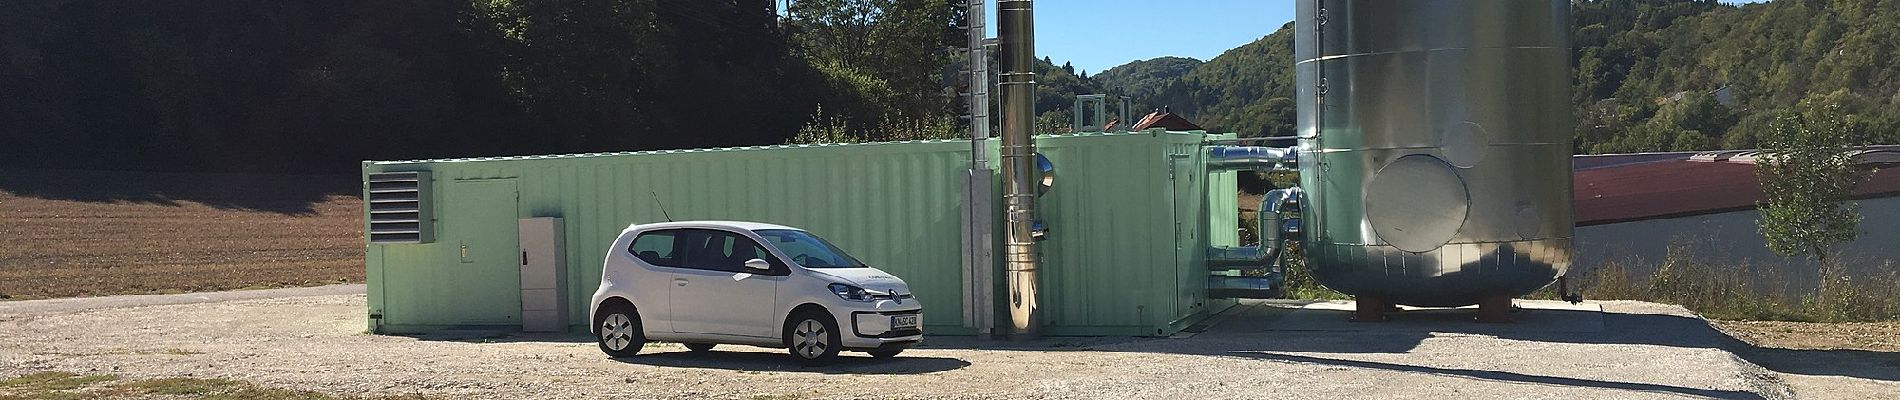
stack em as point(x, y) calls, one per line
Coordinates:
point(1113, 260)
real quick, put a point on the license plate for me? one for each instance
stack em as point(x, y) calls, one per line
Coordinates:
point(903, 322)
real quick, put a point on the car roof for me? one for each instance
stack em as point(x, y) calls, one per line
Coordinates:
point(742, 225)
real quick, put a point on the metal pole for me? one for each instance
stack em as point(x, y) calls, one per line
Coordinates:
point(979, 86)
point(979, 262)
point(1017, 33)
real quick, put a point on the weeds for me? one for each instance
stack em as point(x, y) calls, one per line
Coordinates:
point(1299, 282)
point(50, 381)
point(64, 385)
point(1749, 291)
point(824, 129)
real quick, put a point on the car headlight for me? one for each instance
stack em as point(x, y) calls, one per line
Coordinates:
point(854, 293)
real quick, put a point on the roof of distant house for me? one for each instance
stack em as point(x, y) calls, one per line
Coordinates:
point(1167, 119)
point(1648, 189)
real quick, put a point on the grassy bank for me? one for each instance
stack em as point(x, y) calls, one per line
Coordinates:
point(64, 386)
point(1745, 291)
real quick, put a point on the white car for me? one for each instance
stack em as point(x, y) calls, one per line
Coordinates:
point(704, 283)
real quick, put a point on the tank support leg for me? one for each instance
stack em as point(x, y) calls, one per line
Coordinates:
point(1369, 309)
point(1495, 309)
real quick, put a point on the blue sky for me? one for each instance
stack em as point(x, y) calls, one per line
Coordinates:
point(1100, 34)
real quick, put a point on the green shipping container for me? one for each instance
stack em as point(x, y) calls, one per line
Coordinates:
point(1130, 217)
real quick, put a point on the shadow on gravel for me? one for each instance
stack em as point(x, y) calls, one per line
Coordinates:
point(1255, 333)
point(497, 335)
point(1676, 331)
point(279, 193)
point(848, 362)
point(781, 362)
point(1259, 332)
point(1506, 376)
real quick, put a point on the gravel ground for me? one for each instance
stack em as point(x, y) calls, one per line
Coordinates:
point(316, 342)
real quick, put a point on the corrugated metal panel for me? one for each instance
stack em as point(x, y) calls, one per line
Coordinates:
point(1112, 261)
point(1108, 262)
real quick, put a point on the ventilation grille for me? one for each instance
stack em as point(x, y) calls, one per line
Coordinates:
point(399, 208)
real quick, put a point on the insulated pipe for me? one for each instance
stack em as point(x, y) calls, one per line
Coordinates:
point(1255, 158)
point(1270, 227)
point(1273, 231)
point(1016, 33)
point(1252, 158)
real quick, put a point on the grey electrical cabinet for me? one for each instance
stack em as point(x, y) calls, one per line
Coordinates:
point(543, 275)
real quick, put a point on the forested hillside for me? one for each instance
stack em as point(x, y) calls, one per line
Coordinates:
point(308, 85)
point(1661, 75)
point(1651, 75)
point(302, 85)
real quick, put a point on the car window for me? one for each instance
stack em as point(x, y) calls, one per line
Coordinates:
point(657, 248)
point(720, 250)
point(809, 250)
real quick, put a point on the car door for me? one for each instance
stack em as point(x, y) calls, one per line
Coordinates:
point(715, 294)
point(653, 257)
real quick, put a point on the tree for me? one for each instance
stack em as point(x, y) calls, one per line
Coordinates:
point(1807, 175)
point(900, 43)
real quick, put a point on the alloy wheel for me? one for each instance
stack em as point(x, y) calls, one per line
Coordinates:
point(809, 339)
point(616, 331)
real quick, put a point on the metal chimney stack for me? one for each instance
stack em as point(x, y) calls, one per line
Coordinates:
point(1017, 33)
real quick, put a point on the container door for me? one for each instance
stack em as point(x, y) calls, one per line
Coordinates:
point(1190, 222)
point(482, 279)
point(1181, 200)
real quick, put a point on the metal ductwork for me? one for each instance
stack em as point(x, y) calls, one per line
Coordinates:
point(1274, 230)
point(1273, 227)
point(1016, 34)
point(1252, 158)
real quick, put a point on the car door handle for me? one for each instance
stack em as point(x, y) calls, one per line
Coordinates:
point(679, 281)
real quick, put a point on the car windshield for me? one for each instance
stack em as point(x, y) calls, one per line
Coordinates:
point(809, 250)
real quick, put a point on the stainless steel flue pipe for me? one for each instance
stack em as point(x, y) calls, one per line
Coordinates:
point(1016, 33)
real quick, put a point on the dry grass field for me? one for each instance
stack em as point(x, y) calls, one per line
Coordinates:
point(88, 233)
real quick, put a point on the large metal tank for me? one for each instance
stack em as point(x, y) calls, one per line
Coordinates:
point(1435, 147)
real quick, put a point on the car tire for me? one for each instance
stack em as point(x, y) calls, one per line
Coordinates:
point(812, 337)
point(617, 329)
point(886, 353)
point(699, 347)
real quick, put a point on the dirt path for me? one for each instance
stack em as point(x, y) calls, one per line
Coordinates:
point(316, 343)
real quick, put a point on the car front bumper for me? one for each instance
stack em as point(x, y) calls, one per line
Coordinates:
point(870, 328)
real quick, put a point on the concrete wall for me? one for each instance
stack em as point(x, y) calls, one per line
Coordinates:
point(1731, 238)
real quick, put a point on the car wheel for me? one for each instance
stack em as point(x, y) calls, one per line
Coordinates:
point(813, 337)
point(618, 331)
point(699, 347)
point(886, 353)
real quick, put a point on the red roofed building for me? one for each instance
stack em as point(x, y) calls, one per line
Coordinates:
point(1166, 119)
point(1632, 208)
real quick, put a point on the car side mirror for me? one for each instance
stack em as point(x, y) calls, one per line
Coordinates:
point(758, 265)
